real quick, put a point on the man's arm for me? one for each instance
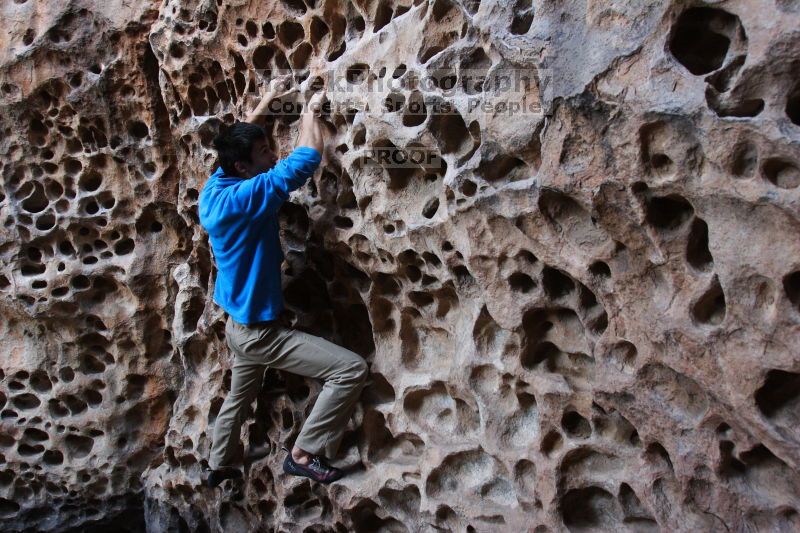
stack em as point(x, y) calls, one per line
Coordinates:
point(278, 87)
point(263, 194)
point(311, 127)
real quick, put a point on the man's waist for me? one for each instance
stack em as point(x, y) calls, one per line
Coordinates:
point(259, 323)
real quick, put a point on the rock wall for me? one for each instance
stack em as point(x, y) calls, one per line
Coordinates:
point(584, 317)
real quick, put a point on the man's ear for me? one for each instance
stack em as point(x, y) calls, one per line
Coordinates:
point(241, 169)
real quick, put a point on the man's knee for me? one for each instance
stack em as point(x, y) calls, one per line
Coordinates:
point(356, 371)
point(362, 370)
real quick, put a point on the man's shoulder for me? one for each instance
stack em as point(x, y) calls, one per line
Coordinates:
point(218, 173)
point(208, 188)
point(212, 180)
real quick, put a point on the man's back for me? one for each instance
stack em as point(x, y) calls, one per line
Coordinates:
point(240, 216)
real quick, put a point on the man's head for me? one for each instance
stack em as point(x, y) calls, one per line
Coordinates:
point(244, 150)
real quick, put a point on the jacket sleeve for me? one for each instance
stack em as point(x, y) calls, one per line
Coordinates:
point(263, 194)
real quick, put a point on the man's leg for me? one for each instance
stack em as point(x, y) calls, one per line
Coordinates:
point(344, 373)
point(245, 383)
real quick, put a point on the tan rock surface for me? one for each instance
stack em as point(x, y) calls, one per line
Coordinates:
point(587, 319)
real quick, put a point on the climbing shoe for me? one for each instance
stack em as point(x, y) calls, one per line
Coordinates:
point(317, 469)
point(215, 477)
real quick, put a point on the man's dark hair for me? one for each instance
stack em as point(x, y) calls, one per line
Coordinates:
point(235, 143)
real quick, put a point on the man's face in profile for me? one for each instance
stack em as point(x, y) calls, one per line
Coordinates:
point(262, 158)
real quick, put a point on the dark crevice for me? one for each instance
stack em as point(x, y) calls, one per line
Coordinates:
point(697, 253)
point(791, 284)
point(710, 308)
point(695, 40)
point(668, 212)
point(781, 172)
point(780, 391)
point(556, 284)
point(793, 105)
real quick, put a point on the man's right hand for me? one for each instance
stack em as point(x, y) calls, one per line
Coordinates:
point(315, 103)
point(311, 126)
point(279, 87)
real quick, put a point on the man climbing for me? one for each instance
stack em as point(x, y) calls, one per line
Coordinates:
point(239, 209)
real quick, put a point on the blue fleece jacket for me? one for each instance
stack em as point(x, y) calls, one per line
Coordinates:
point(241, 218)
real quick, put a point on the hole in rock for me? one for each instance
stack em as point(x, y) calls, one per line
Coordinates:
point(40, 381)
point(750, 107)
point(623, 354)
point(793, 105)
point(551, 443)
point(695, 39)
point(710, 308)
point(791, 284)
point(473, 70)
point(342, 222)
point(78, 446)
point(503, 167)
point(8, 508)
point(295, 6)
point(781, 172)
point(66, 374)
point(366, 517)
point(430, 208)
point(600, 269)
point(780, 395)
point(90, 181)
point(138, 130)
point(27, 450)
point(75, 405)
point(546, 352)
point(521, 282)
point(468, 188)
point(357, 73)
point(586, 298)
point(383, 15)
point(697, 253)
point(431, 258)
point(658, 455)
point(590, 508)
point(661, 163)
point(575, 425)
point(394, 102)
point(452, 136)
point(426, 54)
point(262, 56)
point(35, 435)
point(635, 513)
point(53, 457)
point(668, 212)
point(523, 17)
point(555, 283)
point(93, 398)
point(420, 299)
point(268, 30)
point(91, 365)
point(317, 31)
point(378, 390)
point(289, 33)
point(25, 401)
point(415, 111)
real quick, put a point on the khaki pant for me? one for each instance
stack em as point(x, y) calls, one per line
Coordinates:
point(258, 346)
